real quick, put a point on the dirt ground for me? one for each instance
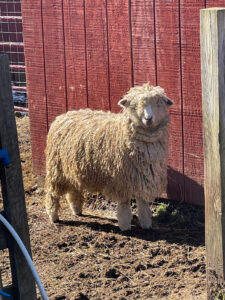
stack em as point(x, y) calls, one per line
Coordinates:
point(90, 258)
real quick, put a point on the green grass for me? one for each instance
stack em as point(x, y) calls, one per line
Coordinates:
point(220, 295)
point(161, 210)
point(178, 214)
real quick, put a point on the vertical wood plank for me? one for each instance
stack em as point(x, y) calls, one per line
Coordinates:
point(191, 89)
point(13, 191)
point(3, 243)
point(169, 77)
point(1, 286)
point(120, 68)
point(54, 53)
point(35, 75)
point(143, 41)
point(75, 53)
point(97, 54)
point(213, 94)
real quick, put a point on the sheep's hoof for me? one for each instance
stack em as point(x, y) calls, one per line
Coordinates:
point(125, 228)
point(149, 229)
point(126, 231)
point(146, 226)
point(54, 219)
point(79, 214)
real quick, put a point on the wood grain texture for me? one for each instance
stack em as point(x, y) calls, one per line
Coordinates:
point(35, 75)
point(215, 3)
point(12, 190)
point(120, 68)
point(213, 93)
point(191, 90)
point(75, 53)
point(97, 54)
point(169, 77)
point(143, 41)
point(53, 33)
point(3, 242)
point(91, 53)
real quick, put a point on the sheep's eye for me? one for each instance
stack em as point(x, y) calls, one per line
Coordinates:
point(158, 103)
point(132, 107)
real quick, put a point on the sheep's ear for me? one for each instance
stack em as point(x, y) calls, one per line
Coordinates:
point(123, 103)
point(168, 101)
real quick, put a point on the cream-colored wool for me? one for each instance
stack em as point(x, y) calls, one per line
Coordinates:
point(122, 155)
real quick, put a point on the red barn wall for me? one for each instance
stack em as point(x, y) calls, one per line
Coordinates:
point(82, 53)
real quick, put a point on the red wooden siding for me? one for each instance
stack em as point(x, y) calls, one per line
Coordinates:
point(54, 51)
point(83, 53)
point(169, 77)
point(97, 61)
point(33, 38)
point(191, 91)
point(120, 68)
point(143, 41)
point(213, 3)
point(75, 53)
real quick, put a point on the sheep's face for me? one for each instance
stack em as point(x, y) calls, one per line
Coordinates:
point(148, 111)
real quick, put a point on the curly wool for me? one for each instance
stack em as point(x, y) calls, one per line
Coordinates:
point(98, 151)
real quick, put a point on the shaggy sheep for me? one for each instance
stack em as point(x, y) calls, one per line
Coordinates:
point(123, 156)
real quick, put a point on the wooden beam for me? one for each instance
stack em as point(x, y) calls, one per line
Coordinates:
point(1, 286)
point(212, 23)
point(3, 243)
point(12, 190)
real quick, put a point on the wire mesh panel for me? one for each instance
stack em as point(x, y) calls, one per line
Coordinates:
point(11, 43)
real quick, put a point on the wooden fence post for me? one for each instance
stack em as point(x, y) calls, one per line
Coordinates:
point(213, 96)
point(13, 193)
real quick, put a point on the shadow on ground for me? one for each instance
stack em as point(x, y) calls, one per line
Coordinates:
point(176, 223)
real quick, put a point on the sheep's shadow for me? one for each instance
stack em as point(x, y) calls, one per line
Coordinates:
point(190, 236)
point(188, 230)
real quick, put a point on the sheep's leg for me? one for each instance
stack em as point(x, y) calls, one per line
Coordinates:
point(75, 200)
point(124, 216)
point(144, 214)
point(52, 206)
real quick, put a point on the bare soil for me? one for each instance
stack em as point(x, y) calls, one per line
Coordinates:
point(90, 258)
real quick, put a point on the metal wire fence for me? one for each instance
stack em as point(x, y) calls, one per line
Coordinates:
point(11, 43)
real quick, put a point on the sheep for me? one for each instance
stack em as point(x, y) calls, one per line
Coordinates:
point(121, 155)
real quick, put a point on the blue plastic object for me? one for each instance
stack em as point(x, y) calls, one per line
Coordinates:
point(4, 156)
point(4, 294)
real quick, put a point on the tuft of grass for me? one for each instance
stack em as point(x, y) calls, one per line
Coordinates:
point(161, 209)
point(220, 295)
point(178, 214)
point(161, 212)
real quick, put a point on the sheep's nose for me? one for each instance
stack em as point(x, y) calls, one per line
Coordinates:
point(149, 119)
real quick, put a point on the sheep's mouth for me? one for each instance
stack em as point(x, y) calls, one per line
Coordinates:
point(147, 122)
point(161, 125)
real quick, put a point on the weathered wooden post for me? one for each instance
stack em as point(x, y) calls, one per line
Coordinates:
point(23, 287)
point(213, 96)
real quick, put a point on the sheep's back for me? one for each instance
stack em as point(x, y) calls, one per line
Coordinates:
point(86, 141)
